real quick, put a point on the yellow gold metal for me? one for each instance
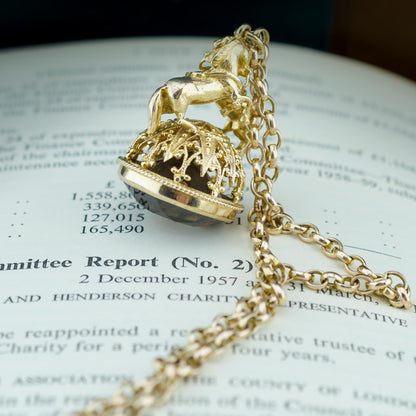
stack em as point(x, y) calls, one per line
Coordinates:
point(195, 201)
point(206, 147)
point(193, 153)
point(252, 120)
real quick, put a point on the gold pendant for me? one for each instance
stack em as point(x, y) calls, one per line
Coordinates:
point(189, 170)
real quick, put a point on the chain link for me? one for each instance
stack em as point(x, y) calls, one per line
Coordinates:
point(267, 217)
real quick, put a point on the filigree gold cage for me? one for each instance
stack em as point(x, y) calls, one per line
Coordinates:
point(196, 169)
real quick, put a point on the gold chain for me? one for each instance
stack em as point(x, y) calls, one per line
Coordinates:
point(267, 217)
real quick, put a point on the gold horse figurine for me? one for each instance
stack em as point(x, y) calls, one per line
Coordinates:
point(189, 170)
point(217, 81)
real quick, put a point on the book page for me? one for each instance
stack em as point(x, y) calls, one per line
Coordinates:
point(94, 287)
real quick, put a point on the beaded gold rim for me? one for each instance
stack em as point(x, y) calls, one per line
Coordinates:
point(177, 194)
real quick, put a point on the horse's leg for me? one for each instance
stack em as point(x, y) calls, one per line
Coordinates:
point(238, 119)
point(244, 140)
point(185, 123)
point(154, 110)
point(241, 131)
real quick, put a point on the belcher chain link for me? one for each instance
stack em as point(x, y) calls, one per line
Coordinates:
point(267, 217)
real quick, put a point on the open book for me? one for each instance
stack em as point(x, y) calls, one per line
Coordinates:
point(93, 287)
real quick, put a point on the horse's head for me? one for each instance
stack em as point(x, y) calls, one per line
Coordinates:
point(232, 53)
point(229, 54)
